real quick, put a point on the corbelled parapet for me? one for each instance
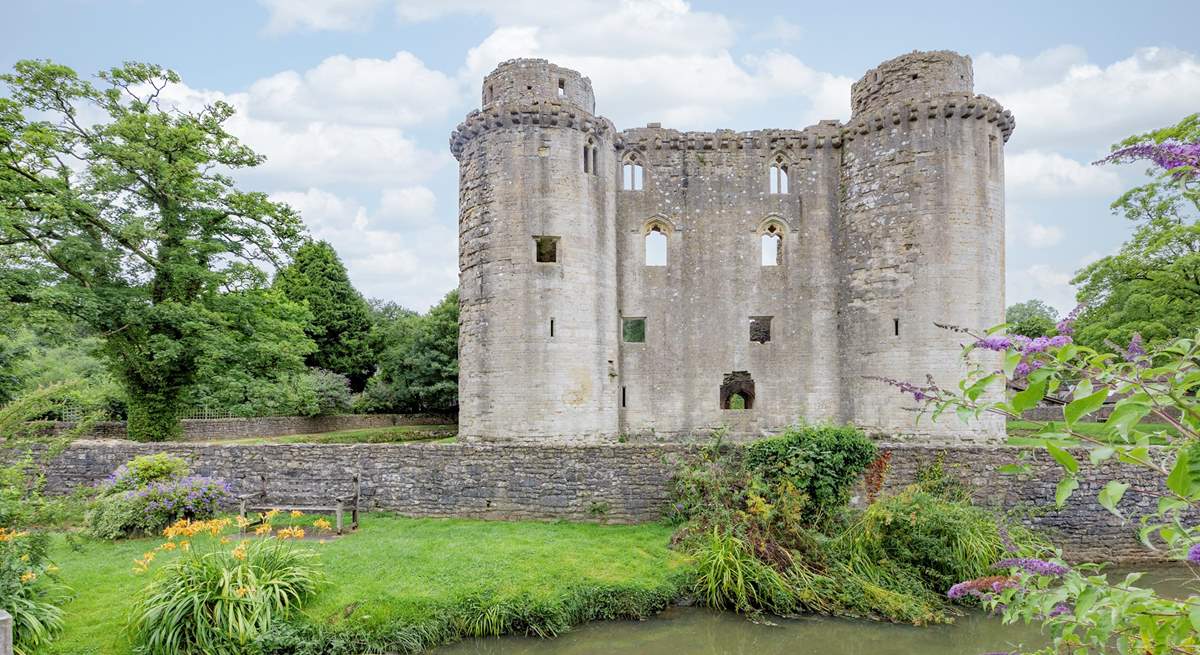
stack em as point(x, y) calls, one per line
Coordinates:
point(545, 113)
point(910, 109)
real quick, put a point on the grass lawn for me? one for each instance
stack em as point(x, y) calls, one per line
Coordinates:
point(397, 572)
point(1096, 430)
point(397, 434)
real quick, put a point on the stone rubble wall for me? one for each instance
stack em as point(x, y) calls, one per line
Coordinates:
point(269, 426)
point(621, 483)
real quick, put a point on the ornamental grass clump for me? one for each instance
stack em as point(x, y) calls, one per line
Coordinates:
point(218, 594)
point(151, 492)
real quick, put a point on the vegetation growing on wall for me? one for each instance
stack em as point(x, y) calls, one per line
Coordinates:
point(772, 531)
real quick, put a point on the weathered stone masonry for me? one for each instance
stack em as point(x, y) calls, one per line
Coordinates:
point(619, 482)
point(883, 225)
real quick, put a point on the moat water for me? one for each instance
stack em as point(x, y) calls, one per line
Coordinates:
point(683, 631)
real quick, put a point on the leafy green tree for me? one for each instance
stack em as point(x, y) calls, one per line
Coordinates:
point(418, 365)
point(1152, 285)
point(341, 318)
point(121, 201)
point(254, 365)
point(1032, 318)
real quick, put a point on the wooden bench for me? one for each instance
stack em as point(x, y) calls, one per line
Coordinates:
point(257, 502)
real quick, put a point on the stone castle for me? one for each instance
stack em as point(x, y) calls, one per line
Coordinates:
point(651, 283)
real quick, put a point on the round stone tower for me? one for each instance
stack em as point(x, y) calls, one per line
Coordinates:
point(537, 259)
point(922, 237)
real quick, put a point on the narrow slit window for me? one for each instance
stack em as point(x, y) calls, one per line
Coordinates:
point(594, 151)
point(896, 326)
point(772, 246)
point(562, 88)
point(656, 247)
point(633, 330)
point(587, 158)
point(778, 175)
point(623, 397)
point(546, 249)
point(551, 328)
point(760, 329)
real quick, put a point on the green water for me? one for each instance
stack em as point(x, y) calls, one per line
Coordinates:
point(683, 631)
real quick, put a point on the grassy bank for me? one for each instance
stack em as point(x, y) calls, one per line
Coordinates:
point(396, 434)
point(402, 584)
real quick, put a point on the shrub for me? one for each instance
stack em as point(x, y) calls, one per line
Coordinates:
point(28, 591)
point(821, 462)
point(940, 541)
point(219, 599)
point(330, 391)
point(155, 506)
point(149, 493)
point(144, 470)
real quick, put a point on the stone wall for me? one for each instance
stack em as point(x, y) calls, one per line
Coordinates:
point(1055, 413)
point(619, 483)
point(270, 426)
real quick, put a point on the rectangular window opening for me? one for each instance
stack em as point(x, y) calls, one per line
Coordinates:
point(623, 397)
point(546, 249)
point(760, 329)
point(587, 160)
point(896, 326)
point(551, 328)
point(562, 87)
point(633, 330)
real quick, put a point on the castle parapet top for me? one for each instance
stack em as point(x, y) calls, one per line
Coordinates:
point(914, 75)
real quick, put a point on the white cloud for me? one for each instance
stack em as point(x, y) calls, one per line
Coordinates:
point(1041, 281)
point(1038, 173)
point(594, 27)
point(414, 266)
point(408, 205)
point(317, 15)
point(400, 91)
point(1022, 232)
point(1061, 99)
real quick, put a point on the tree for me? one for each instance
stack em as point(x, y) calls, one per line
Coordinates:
point(1151, 286)
point(1032, 318)
point(121, 203)
point(418, 365)
point(341, 318)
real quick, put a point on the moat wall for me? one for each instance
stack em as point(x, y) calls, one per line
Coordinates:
point(617, 483)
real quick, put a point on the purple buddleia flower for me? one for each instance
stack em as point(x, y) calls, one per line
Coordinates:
point(1060, 341)
point(1032, 565)
point(1060, 609)
point(1135, 348)
point(1169, 155)
point(1066, 327)
point(1022, 369)
point(996, 343)
point(1006, 539)
point(1193, 555)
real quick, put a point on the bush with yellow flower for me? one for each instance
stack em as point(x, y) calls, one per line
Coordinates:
point(242, 577)
point(29, 590)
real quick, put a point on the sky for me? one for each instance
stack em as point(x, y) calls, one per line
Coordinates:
point(352, 101)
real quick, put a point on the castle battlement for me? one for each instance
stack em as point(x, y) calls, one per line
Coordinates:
point(651, 283)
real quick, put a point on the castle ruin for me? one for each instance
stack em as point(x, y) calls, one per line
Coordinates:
point(651, 283)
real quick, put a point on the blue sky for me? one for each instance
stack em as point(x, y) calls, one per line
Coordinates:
point(352, 100)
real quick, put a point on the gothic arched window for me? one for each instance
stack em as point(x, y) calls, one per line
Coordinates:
point(779, 175)
point(632, 174)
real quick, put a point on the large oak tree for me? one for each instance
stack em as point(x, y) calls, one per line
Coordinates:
point(122, 213)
